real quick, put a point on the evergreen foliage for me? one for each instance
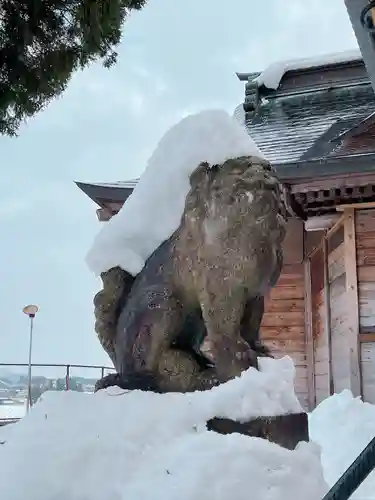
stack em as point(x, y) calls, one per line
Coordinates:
point(42, 42)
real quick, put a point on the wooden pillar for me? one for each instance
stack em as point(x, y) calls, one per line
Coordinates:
point(352, 301)
point(309, 336)
point(327, 315)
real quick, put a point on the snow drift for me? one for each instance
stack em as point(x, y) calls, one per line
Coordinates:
point(153, 211)
point(343, 426)
point(135, 445)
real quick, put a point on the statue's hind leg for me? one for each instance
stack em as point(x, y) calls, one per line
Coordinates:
point(144, 356)
point(250, 325)
point(108, 303)
point(179, 372)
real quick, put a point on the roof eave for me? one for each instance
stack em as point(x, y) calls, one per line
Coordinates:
point(244, 77)
point(325, 167)
point(99, 193)
point(288, 172)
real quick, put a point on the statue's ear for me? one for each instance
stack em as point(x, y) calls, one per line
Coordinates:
point(200, 174)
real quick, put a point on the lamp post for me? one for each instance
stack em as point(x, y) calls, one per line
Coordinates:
point(30, 311)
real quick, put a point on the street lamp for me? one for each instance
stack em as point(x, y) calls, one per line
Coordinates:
point(30, 311)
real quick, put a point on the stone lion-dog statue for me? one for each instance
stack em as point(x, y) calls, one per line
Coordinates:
point(190, 319)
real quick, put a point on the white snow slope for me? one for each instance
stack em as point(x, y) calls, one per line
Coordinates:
point(343, 426)
point(115, 445)
point(153, 211)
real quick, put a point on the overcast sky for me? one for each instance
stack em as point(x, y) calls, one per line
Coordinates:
point(177, 57)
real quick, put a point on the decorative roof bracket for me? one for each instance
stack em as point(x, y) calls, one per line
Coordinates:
point(252, 97)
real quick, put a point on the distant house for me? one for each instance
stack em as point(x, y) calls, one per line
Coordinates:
point(315, 121)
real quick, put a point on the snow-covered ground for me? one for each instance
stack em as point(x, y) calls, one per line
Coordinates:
point(136, 445)
point(343, 426)
point(153, 211)
point(133, 445)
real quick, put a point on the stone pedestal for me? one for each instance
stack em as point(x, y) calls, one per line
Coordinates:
point(284, 430)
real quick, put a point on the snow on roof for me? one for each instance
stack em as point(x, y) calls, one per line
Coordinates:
point(271, 76)
point(129, 184)
point(153, 211)
point(139, 445)
point(117, 184)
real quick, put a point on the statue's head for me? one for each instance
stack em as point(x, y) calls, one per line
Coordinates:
point(245, 187)
point(239, 189)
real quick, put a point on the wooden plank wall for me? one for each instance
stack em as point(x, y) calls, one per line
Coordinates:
point(283, 325)
point(368, 371)
point(282, 328)
point(365, 241)
point(342, 311)
point(332, 318)
point(339, 312)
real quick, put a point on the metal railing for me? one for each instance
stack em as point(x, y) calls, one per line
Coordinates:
point(354, 476)
point(101, 370)
point(67, 367)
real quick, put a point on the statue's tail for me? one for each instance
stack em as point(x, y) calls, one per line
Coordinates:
point(108, 304)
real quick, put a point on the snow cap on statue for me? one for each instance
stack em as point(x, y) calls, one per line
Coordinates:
point(153, 212)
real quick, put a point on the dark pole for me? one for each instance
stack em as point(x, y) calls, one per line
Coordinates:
point(67, 377)
point(31, 316)
point(30, 311)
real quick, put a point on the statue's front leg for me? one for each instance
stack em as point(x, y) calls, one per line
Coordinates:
point(229, 352)
point(250, 325)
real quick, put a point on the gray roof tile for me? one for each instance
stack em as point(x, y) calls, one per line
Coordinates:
point(301, 127)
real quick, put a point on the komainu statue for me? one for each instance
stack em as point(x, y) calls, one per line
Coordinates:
point(190, 319)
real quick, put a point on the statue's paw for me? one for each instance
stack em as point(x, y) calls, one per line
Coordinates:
point(246, 356)
point(128, 382)
point(261, 350)
point(110, 380)
point(207, 350)
point(226, 352)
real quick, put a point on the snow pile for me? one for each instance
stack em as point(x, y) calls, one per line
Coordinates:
point(343, 426)
point(136, 445)
point(271, 77)
point(153, 211)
